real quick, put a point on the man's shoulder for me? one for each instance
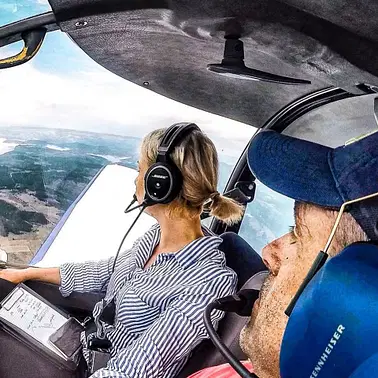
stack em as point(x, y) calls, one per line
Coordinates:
point(220, 371)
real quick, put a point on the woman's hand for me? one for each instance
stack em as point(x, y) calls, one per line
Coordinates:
point(14, 275)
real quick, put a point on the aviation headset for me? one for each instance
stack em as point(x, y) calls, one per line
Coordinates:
point(163, 180)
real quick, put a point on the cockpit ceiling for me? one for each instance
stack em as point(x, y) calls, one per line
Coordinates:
point(166, 46)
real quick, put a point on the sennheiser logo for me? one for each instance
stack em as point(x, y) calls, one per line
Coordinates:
point(160, 177)
point(327, 351)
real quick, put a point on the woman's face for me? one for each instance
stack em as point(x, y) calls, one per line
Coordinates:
point(139, 181)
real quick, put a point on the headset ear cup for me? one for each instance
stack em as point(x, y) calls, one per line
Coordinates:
point(162, 183)
point(177, 183)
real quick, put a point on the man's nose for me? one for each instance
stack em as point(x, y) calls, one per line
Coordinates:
point(271, 255)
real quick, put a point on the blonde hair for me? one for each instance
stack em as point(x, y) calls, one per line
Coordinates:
point(197, 159)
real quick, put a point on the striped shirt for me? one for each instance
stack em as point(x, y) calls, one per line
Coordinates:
point(158, 310)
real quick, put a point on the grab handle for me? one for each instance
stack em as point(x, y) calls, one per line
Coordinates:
point(32, 43)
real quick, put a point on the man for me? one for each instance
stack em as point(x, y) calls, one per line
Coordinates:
point(320, 180)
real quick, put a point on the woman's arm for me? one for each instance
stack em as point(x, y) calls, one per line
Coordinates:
point(172, 336)
point(51, 275)
point(91, 276)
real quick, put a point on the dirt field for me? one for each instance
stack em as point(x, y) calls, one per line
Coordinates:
point(21, 248)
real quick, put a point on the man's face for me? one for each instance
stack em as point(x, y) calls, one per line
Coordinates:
point(288, 259)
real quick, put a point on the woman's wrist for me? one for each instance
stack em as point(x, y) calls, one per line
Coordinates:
point(50, 275)
point(31, 274)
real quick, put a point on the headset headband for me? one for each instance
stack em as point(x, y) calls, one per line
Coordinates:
point(172, 137)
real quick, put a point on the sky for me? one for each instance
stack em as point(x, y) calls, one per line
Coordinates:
point(63, 88)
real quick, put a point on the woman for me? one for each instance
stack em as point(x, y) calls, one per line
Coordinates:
point(161, 286)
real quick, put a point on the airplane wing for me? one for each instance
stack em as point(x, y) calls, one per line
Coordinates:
point(94, 225)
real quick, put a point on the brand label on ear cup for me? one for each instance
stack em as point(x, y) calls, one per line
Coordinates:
point(158, 183)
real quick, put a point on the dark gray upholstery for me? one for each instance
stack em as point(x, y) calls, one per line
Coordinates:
point(167, 47)
point(241, 257)
point(21, 360)
point(229, 329)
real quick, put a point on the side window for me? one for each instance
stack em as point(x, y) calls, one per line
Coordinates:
point(268, 217)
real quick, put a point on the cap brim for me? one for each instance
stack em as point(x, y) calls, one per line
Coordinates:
point(295, 168)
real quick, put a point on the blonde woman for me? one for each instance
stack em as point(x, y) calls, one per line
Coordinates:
point(161, 286)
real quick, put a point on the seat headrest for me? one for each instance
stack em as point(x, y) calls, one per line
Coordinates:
point(241, 257)
point(332, 331)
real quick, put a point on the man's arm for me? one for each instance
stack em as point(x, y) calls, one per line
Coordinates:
point(172, 336)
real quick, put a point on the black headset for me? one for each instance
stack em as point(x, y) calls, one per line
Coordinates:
point(163, 180)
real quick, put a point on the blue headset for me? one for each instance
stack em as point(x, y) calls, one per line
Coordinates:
point(333, 329)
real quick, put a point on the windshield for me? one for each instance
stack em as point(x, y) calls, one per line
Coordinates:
point(71, 118)
point(267, 217)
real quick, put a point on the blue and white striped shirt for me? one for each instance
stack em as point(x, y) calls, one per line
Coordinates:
point(159, 310)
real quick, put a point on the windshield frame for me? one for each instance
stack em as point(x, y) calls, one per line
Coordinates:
point(278, 122)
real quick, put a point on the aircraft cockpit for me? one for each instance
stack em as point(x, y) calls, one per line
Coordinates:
point(81, 83)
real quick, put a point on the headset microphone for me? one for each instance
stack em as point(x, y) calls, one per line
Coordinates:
point(127, 210)
point(163, 179)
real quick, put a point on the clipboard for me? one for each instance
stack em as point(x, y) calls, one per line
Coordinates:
point(32, 320)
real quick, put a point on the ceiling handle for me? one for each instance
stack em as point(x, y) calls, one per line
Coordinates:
point(233, 66)
point(32, 43)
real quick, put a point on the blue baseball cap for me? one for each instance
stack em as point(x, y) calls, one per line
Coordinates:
point(324, 176)
point(332, 331)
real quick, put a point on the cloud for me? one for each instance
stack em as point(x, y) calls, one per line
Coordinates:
point(11, 8)
point(100, 101)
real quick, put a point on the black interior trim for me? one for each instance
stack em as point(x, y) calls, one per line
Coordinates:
point(92, 8)
point(170, 47)
point(298, 108)
point(12, 32)
point(33, 40)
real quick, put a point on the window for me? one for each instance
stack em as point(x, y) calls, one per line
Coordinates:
point(11, 10)
point(72, 118)
point(267, 217)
